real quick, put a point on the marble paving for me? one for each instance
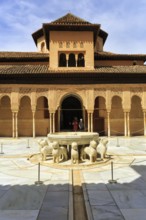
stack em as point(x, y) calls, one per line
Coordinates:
point(124, 200)
point(21, 199)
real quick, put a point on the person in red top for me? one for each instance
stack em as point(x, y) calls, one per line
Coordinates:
point(75, 124)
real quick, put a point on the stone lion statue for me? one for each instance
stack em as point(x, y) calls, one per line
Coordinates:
point(90, 151)
point(102, 147)
point(74, 153)
point(45, 148)
point(59, 152)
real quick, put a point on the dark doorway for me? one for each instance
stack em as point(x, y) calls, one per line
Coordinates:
point(71, 107)
point(99, 115)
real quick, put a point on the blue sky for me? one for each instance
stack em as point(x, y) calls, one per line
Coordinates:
point(123, 20)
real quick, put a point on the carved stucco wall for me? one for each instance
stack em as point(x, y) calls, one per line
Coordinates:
point(86, 96)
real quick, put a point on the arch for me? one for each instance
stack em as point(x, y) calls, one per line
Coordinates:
point(117, 116)
point(71, 107)
point(62, 60)
point(25, 117)
point(5, 117)
point(136, 116)
point(42, 116)
point(99, 115)
point(81, 60)
point(71, 61)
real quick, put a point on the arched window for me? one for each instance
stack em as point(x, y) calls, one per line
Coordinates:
point(62, 60)
point(81, 61)
point(71, 61)
point(43, 47)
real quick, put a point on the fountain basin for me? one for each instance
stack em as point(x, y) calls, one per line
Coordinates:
point(66, 138)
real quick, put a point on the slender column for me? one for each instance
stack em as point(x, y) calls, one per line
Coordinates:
point(67, 58)
point(88, 122)
point(125, 123)
point(76, 57)
point(144, 117)
point(128, 124)
point(50, 123)
point(108, 125)
point(16, 119)
point(33, 123)
point(59, 119)
point(13, 124)
point(53, 114)
point(91, 115)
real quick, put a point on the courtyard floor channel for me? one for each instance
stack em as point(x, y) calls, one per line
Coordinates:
point(22, 199)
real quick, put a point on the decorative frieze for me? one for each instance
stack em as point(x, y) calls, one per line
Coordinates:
point(136, 91)
point(100, 92)
point(5, 90)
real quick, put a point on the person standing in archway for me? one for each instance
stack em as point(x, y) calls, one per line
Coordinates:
point(81, 124)
point(75, 124)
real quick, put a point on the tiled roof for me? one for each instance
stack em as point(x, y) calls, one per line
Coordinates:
point(23, 57)
point(70, 19)
point(109, 55)
point(22, 54)
point(43, 69)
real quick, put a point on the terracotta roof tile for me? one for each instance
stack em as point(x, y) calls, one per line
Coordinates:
point(22, 54)
point(43, 69)
point(70, 19)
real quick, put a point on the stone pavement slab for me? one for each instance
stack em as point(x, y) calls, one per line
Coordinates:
point(125, 200)
point(21, 199)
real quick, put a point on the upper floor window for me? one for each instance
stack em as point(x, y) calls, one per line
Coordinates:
point(71, 61)
point(81, 60)
point(62, 60)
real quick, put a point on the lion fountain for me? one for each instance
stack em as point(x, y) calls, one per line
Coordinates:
point(75, 146)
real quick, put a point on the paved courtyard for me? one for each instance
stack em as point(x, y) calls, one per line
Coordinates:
point(22, 199)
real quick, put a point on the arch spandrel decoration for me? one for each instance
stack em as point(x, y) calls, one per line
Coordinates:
point(41, 92)
point(5, 92)
point(116, 92)
point(24, 92)
point(99, 92)
point(61, 95)
point(136, 91)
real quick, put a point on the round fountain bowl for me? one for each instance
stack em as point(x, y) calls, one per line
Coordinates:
point(66, 138)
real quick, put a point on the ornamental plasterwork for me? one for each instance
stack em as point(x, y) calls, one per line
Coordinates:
point(6, 90)
point(5, 94)
point(136, 91)
point(116, 91)
point(41, 92)
point(25, 90)
point(100, 92)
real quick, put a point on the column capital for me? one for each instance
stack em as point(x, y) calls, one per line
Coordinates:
point(33, 108)
point(52, 111)
point(126, 110)
point(90, 111)
point(108, 110)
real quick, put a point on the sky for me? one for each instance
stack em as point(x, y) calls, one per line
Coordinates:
point(123, 20)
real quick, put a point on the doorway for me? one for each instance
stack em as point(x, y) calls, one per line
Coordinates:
point(71, 108)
